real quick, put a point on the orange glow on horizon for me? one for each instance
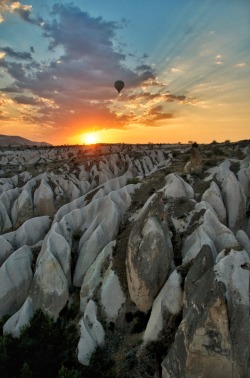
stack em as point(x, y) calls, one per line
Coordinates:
point(89, 138)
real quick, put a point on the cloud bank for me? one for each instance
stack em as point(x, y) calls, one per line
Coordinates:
point(75, 89)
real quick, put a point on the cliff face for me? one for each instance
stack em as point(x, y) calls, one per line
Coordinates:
point(154, 258)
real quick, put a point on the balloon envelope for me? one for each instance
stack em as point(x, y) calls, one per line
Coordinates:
point(119, 84)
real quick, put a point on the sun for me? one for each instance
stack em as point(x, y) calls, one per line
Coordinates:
point(90, 138)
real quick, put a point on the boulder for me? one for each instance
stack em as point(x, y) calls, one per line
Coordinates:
point(44, 199)
point(22, 209)
point(99, 229)
point(6, 250)
point(194, 243)
point(92, 334)
point(202, 345)
point(5, 222)
point(149, 254)
point(15, 281)
point(232, 269)
point(94, 276)
point(213, 196)
point(244, 179)
point(49, 289)
point(211, 232)
point(111, 294)
point(20, 319)
point(243, 240)
point(166, 307)
point(235, 202)
point(30, 233)
point(177, 187)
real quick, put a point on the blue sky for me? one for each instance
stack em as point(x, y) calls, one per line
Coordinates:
point(185, 64)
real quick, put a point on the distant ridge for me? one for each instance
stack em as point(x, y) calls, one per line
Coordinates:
point(9, 140)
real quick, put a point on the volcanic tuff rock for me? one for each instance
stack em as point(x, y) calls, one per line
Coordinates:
point(214, 197)
point(149, 254)
point(92, 334)
point(15, 280)
point(183, 294)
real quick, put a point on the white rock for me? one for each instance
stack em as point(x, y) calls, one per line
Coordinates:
point(6, 249)
point(44, 199)
point(230, 270)
point(112, 296)
point(92, 334)
point(194, 242)
point(177, 187)
point(93, 277)
point(214, 198)
point(29, 233)
point(20, 319)
point(243, 239)
point(235, 202)
point(244, 179)
point(15, 281)
point(49, 289)
point(100, 229)
point(210, 232)
point(169, 299)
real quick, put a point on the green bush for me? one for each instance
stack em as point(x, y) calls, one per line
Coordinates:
point(134, 180)
point(43, 347)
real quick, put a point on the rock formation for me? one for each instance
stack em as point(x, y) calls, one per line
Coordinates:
point(152, 265)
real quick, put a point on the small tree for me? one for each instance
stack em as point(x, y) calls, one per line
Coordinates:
point(25, 371)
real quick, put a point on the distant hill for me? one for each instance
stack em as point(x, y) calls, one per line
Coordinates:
point(9, 140)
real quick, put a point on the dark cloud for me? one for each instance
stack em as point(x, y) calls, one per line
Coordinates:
point(16, 70)
point(76, 89)
point(24, 11)
point(82, 36)
point(25, 100)
point(157, 113)
point(143, 67)
point(16, 54)
point(11, 89)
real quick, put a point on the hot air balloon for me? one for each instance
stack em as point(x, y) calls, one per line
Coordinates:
point(118, 84)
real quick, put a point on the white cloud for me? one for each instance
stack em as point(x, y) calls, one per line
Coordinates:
point(175, 69)
point(17, 5)
point(240, 65)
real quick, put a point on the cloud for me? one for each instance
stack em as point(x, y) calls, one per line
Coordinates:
point(240, 65)
point(175, 70)
point(75, 88)
point(14, 54)
point(11, 89)
point(22, 10)
point(25, 100)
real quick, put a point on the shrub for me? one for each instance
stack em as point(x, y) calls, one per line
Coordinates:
point(43, 348)
point(134, 180)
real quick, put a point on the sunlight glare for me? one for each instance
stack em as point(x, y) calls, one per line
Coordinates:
point(90, 138)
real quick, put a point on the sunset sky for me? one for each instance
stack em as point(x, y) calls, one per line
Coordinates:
point(185, 65)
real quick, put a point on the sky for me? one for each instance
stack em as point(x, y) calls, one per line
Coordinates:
point(185, 65)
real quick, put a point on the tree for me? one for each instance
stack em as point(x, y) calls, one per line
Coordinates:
point(25, 371)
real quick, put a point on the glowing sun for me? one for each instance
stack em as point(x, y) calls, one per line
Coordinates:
point(90, 138)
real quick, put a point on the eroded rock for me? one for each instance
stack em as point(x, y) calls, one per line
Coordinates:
point(149, 254)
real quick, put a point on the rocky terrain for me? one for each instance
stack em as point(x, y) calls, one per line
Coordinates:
point(144, 249)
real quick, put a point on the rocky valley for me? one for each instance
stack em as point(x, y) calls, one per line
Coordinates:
point(141, 253)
